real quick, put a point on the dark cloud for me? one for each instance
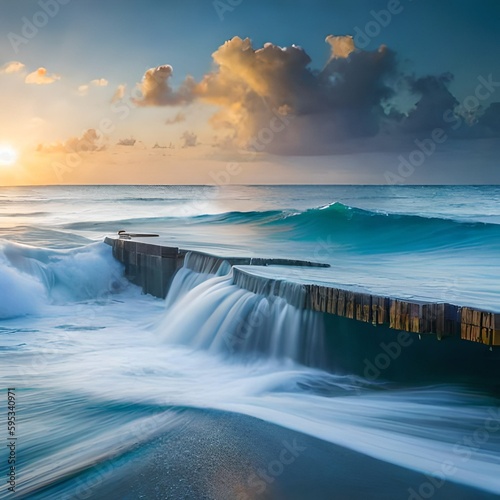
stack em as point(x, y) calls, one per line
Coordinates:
point(273, 92)
point(270, 98)
point(435, 104)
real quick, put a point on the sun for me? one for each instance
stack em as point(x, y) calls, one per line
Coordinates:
point(8, 155)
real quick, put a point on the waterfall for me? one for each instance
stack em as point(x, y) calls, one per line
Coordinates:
point(213, 312)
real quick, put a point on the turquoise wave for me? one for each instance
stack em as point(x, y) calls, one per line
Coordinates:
point(338, 223)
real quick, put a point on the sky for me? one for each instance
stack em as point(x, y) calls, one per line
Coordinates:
point(249, 91)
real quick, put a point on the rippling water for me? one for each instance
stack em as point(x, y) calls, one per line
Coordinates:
point(100, 369)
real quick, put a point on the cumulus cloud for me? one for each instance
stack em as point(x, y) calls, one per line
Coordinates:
point(435, 102)
point(190, 139)
point(178, 118)
point(41, 77)
point(260, 89)
point(342, 46)
point(156, 90)
point(90, 140)
point(271, 99)
point(12, 67)
point(119, 93)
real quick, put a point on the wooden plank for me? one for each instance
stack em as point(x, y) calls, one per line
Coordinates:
point(405, 316)
point(415, 320)
point(463, 331)
point(393, 313)
point(367, 307)
point(396, 314)
point(440, 318)
point(358, 306)
point(349, 312)
point(383, 310)
point(335, 298)
point(341, 303)
point(375, 311)
point(315, 297)
point(363, 307)
point(331, 306)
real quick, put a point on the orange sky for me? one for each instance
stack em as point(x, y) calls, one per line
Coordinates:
point(336, 110)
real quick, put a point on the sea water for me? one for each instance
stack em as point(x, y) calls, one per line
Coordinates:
point(100, 368)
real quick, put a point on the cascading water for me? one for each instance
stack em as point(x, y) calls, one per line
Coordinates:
point(207, 311)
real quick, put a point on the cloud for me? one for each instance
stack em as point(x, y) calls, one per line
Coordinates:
point(178, 118)
point(271, 99)
point(119, 93)
point(100, 82)
point(435, 102)
point(12, 67)
point(342, 46)
point(126, 142)
point(41, 77)
point(190, 139)
point(84, 89)
point(89, 141)
point(156, 90)
point(259, 90)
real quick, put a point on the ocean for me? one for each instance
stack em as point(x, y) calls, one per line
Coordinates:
point(122, 395)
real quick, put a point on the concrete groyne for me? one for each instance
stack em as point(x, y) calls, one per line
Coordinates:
point(153, 267)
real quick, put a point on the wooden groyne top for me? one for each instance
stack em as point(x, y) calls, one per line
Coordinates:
point(153, 266)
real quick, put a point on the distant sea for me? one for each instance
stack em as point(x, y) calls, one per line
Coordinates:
point(100, 370)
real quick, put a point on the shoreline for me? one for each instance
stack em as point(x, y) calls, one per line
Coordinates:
point(216, 455)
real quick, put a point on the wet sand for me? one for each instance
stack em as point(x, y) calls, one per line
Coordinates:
point(216, 455)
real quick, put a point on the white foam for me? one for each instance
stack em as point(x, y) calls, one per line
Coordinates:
point(31, 277)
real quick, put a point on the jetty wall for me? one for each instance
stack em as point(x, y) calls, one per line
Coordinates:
point(153, 267)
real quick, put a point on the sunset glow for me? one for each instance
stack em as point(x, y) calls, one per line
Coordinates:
point(8, 155)
point(352, 96)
